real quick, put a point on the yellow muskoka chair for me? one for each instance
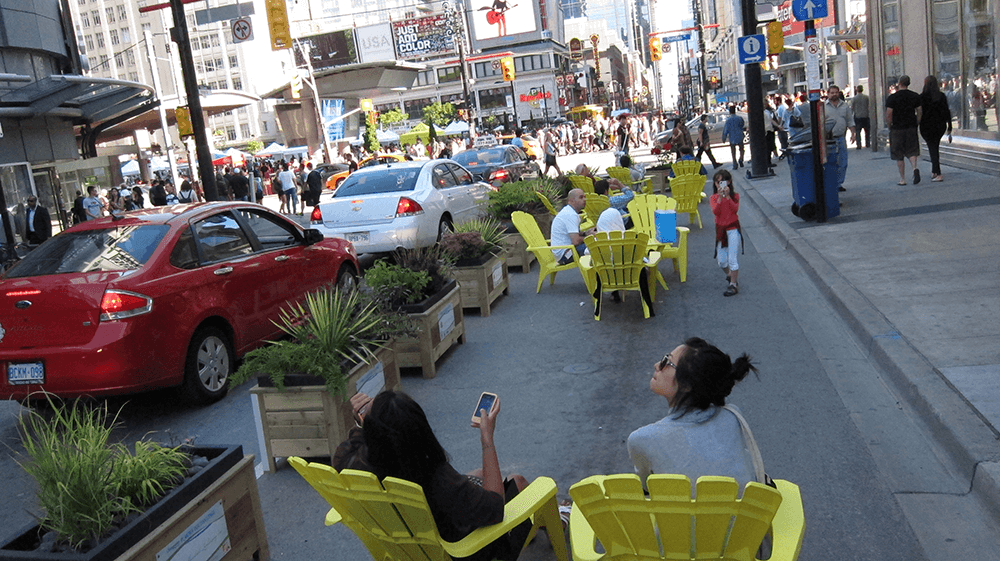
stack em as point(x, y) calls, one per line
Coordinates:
point(585, 223)
point(394, 522)
point(642, 209)
point(688, 191)
point(686, 167)
point(644, 185)
point(669, 524)
point(547, 203)
point(620, 261)
point(537, 244)
point(596, 204)
point(581, 182)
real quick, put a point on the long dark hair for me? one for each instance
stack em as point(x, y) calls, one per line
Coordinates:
point(932, 90)
point(400, 440)
point(706, 376)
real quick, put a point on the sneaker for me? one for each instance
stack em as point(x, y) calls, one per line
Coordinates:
point(736, 166)
point(733, 290)
point(716, 166)
point(916, 176)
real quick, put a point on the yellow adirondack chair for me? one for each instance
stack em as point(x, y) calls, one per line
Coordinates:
point(537, 244)
point(580, 182)
point(686, 167)
point(714, 525)
point(688, 190)
point(547, 203)
point(644, 185)
point(596, 204)
point(642, 209)
point(394, 522)
point(620, 261)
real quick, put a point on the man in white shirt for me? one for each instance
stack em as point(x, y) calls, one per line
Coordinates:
point(289, 187)
point(92, 205)
point(566, 227)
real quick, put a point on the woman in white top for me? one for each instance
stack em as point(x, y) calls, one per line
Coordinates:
point(698, 436)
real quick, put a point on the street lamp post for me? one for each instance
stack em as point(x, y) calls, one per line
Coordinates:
point(458, 28)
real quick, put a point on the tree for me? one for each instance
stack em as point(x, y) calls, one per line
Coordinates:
point(439, 114)
point(393, 116)
point(254, 146)
point(371, 142)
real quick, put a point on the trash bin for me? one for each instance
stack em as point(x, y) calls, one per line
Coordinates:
point(800, 163)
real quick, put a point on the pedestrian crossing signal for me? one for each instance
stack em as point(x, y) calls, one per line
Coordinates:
point(507, 67)
point(655, 48)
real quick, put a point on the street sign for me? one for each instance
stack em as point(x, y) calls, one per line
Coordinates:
point(676, 38)
point(242, 30)
point(277, 22)
point(223, 13)
point(752, 48)
point(559, 80)
point(805, 10)
point(811, 49)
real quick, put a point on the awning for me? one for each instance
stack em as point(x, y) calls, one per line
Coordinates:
point(357, 81)
point(456, 127)
point(84, 99)
point(212, 103)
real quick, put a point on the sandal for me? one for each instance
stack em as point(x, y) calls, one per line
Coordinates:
point(565, 508)
point(901, 182)
point(733, 290)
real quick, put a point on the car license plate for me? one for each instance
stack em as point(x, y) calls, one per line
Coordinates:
point(19, 373)
point(357, 237)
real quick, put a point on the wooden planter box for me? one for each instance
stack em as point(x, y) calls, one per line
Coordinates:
point(305, 420)
point(661, 181)
point(224, 492)
point(481, 284)
point(440, 325)
point(517, 252)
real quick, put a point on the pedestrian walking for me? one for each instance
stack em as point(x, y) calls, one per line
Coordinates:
point(38, 223)
point(934, 122)
point(289, 186)
point(705, 142)
point(843, 118)
point(733, 132)
point(725, 203)
point(551, 149)
point(902, 114)
point(862, 122)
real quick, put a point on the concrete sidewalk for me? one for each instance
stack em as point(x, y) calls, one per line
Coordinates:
point(912, 269)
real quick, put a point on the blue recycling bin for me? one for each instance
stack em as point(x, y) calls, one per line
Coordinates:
point(800, 163)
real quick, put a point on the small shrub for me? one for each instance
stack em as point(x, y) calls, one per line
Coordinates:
point(396, 285)
point(465, 246)
point(521, 195)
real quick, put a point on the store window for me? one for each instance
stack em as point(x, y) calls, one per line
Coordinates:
point(415, 107)
point(964, 53)
point(425, 78)
point(493, 98)
point(485, 69)
point(452, 74)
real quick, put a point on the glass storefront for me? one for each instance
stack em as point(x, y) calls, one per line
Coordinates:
point(964, 60)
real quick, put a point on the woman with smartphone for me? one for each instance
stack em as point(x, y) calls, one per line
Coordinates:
point(701, 435)
point(395, 440)
point(725, 204)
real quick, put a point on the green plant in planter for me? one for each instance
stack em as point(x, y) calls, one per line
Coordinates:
point(521, 195)
point(86, 483)
point(474, 240)
point(415, 275)
point(330, 333)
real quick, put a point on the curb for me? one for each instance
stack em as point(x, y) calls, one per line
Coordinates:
point(970, 442)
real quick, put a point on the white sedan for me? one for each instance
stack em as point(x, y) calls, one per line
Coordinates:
point(401, 205)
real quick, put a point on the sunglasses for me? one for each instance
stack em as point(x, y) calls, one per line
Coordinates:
point(667, 362)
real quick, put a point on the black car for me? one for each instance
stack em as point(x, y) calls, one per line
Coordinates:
point(326, 170)
point(497, 165)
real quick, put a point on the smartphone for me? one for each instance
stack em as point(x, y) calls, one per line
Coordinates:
point(487, 401)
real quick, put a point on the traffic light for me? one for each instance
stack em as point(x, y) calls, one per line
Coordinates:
point(507, 67)
point(296, 86)
point(655, 52)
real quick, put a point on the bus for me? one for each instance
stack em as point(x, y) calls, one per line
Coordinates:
point(584, 112)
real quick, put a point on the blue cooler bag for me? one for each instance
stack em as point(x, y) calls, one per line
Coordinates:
point(666, 226)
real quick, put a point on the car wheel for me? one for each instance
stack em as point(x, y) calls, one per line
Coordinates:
point(208, 366)
point(444, 227)
point(347, 280)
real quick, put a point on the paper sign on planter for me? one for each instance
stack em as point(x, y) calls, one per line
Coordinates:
point(446, 320)
point(205, 540)
point(372, 383)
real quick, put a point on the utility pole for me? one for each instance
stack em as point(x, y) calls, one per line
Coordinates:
point(147, 37)
point(179, 34)
point(759, 157)
point(702, 62)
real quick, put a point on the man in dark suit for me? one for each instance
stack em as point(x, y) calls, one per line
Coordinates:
point(38, 223)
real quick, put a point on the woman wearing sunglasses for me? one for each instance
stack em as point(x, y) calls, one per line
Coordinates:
point(698, 436)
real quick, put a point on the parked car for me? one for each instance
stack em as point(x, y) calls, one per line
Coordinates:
point(716, 120)
point(498, 165)
point(326, 170)
point(160, 297)
point(401, 205)
point(532, 146)
point(334, 180)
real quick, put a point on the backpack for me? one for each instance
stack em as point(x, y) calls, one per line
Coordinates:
point(186, 198)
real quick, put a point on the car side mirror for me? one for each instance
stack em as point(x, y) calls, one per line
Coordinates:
point(312, 236)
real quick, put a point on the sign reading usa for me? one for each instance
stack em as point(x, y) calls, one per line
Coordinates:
point(422, 37)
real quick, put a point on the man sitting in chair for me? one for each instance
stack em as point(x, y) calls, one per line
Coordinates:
point(566, 227)
point(618, 202)
point(614, 184)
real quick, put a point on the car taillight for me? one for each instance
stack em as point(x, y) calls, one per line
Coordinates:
point(408, 207)
point(317, 216)
point(500, 175)
point(121, 304)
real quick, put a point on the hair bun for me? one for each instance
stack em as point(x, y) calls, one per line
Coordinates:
point(741, 367)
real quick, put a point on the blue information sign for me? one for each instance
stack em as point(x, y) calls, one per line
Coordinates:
point(804, 10)
point(752, 48)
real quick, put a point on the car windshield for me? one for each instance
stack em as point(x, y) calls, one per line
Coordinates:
point(479, 157)
point(111, 249)
point(387, 180)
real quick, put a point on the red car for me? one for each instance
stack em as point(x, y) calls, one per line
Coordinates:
point(161, 297)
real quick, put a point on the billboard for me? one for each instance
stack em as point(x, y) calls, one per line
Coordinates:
point(328, 49)
point(375, 43)
point(332, 109)
point(499, 19)
point(418, 38)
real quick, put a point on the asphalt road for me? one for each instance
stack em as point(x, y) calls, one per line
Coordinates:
point(572, 389)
